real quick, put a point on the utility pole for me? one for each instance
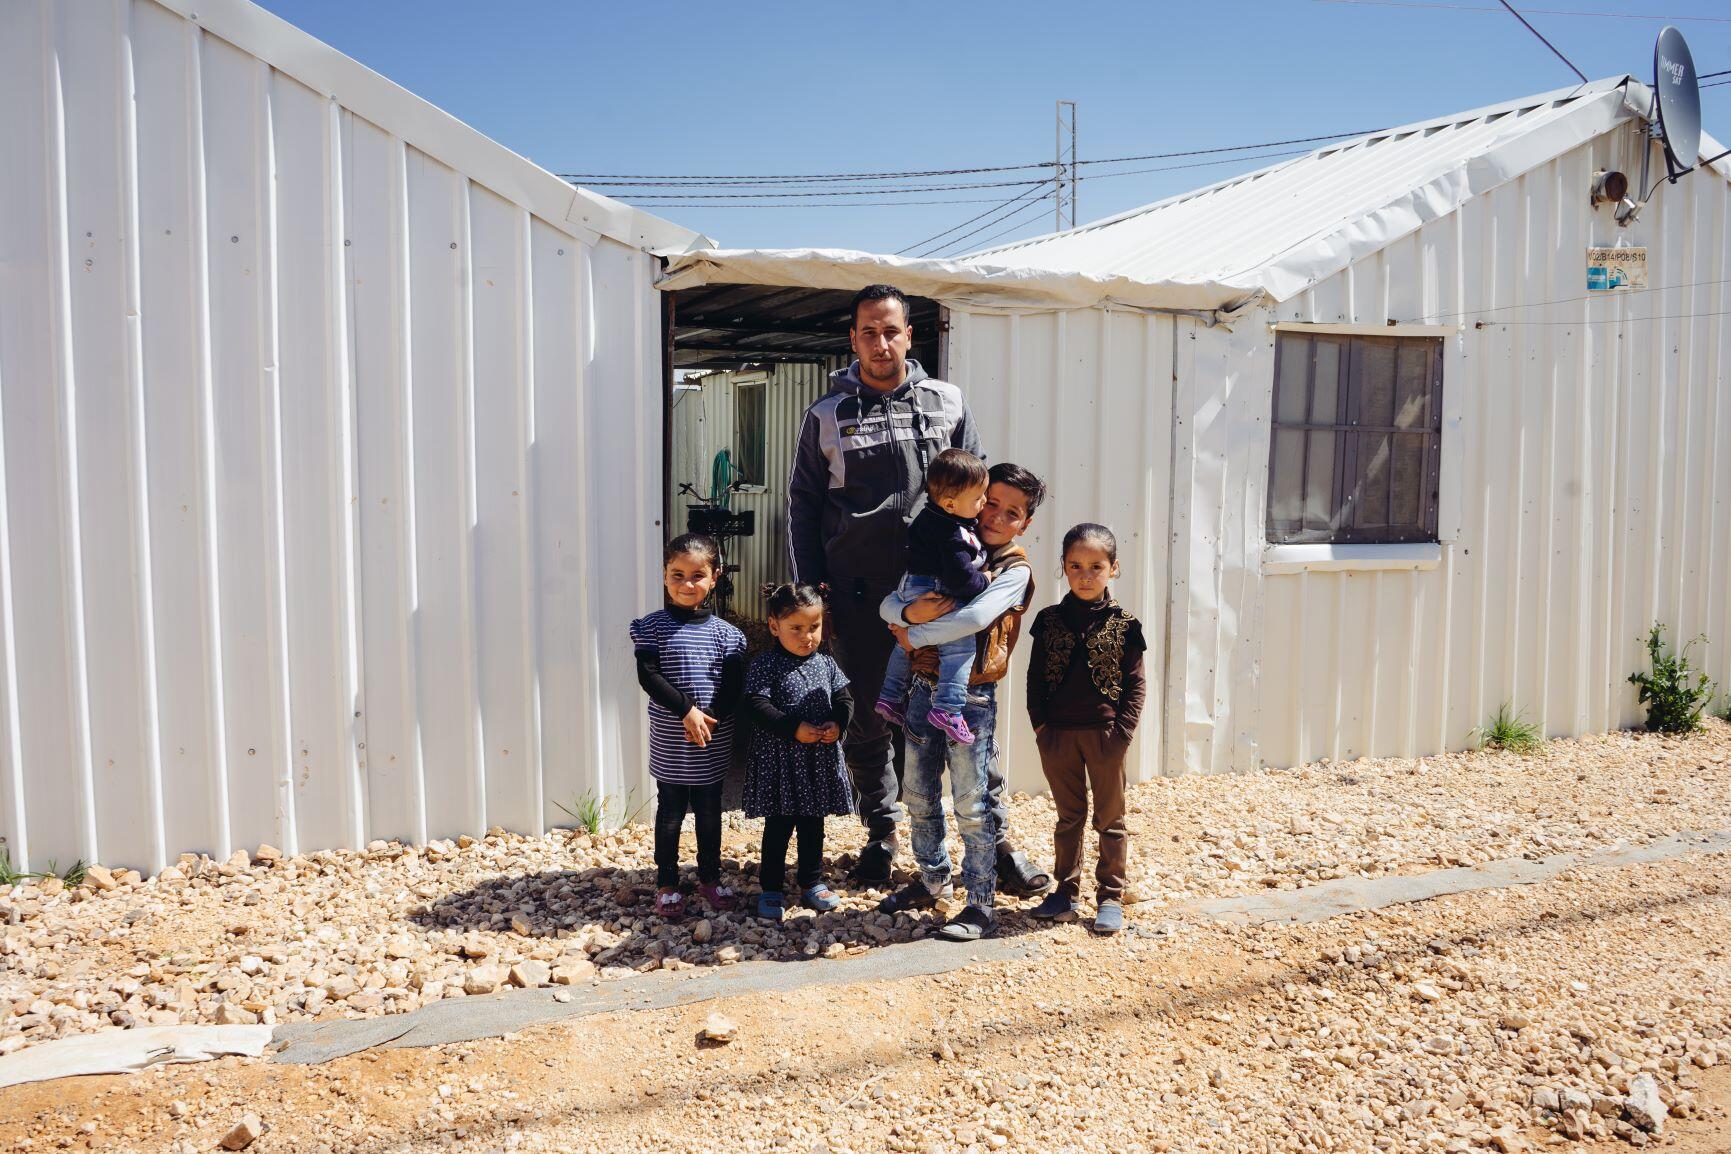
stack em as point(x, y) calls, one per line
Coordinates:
point(1065, 162)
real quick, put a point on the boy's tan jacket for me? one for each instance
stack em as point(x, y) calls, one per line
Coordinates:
point(994, 643)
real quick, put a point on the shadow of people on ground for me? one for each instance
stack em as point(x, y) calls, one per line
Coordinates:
point(605, 915)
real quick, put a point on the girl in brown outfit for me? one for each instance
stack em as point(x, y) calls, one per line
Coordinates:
point(1085, 692)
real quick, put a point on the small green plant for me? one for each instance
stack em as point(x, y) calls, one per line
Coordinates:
point(588, 811)
point(10, 876)
point(1674, 693)
point(593, 811)
point(1511, 731)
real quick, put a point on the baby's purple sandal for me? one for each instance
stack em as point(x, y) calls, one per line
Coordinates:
point(892, 712)
point(954, 726)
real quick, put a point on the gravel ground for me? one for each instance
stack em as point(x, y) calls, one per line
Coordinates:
point(1469, 1022)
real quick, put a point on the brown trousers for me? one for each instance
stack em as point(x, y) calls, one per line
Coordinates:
point(1076, 760)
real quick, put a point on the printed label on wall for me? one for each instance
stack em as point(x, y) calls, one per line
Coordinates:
point(1616, 269)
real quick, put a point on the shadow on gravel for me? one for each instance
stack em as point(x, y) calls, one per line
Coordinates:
point(1156, 1004)
point(608, 913)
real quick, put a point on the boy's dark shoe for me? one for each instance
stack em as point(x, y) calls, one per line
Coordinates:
point(1056, 908)
point(873, 867)
point(1020, 877)
point(970, 925)
point(916, 895)
point(1109, 918)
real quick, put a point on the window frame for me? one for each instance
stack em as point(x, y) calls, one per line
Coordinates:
point(1348, 432)
point(743, 437)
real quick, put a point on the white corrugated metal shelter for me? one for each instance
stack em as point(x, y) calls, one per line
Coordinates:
point(331, 440)
point(1583, 487)
point(332, 450)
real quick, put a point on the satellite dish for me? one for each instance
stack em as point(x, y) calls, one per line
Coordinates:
point(1677, 93)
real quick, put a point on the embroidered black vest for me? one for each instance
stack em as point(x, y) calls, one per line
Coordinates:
point(1103, 642)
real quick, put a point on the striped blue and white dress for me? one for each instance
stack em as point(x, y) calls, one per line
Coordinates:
point(692, 653)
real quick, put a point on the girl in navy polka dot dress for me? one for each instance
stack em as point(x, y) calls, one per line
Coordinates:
point(691, 663)
point(799, 703)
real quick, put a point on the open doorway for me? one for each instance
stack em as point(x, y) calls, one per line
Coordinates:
point(743, 363)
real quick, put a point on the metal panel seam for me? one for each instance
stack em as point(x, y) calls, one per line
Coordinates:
point(207, 457)
point(144, 589)
point(345, 527)
point(283, 770)
point(72, 559)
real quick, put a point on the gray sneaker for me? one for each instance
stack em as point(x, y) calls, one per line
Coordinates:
point(1109, 918)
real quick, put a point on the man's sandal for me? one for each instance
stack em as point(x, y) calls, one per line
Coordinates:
point(1020, 877)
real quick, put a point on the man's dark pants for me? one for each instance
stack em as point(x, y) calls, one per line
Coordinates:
point(872, 748)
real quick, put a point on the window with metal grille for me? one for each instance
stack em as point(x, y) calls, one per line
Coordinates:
point(1357, 439)
point(751, 414)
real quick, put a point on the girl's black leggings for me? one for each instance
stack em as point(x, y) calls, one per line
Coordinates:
point(772, 874)
point(672, 801)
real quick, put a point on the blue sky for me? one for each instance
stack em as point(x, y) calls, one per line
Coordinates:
point(750, 88)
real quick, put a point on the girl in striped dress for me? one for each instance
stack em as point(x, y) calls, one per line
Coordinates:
point(692, 665)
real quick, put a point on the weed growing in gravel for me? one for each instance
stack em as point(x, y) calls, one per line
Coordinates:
point(10, 875)
point(1511, 731)
point(593, 811)
point(1674, 693)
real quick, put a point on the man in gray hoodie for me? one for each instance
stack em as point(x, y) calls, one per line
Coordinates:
point(858, 477)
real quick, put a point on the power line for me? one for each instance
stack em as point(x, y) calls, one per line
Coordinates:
point(1231, 148)
point(1598, 296)
point(650, 202)
point(1199, 164)
point(719, 178)
point(680, 183)
point(998, 205)
point(845, 192)
point(983, 245)
point(1614, 320)
point(954, 245)
point(1542, 40)
point(1433, 4)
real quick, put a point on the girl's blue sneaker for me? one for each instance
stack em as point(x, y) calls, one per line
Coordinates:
point(770, 905)
point(820, 897)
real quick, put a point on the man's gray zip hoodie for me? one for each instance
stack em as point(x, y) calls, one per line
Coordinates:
point(859, 472)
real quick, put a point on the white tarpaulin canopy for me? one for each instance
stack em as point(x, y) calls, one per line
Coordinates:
point(978, 288)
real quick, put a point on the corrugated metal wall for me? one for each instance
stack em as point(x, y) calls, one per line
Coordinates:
point(328, 472)
point(1084, 399)
point(1584, 495)
point(704, 423)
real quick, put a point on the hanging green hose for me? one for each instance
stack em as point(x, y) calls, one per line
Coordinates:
point(721, 477)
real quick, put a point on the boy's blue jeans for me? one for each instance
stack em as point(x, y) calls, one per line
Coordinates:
point(930, 753)
point(955, 663)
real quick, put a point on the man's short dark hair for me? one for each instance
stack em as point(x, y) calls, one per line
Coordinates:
point(955, 471)
point(878, 292)
point(1018, 478)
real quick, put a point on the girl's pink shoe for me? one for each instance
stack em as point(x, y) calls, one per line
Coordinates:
point(953, 724)
point(721, 898)
point(669, 904)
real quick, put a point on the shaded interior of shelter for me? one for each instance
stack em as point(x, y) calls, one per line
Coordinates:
point(730, 326)
point(741, 363)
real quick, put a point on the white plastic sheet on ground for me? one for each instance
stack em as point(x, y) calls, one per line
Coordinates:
point(126, 1051)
